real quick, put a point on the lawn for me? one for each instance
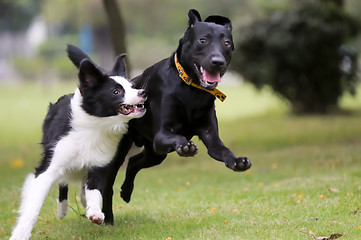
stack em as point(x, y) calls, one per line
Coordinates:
point(305, 178)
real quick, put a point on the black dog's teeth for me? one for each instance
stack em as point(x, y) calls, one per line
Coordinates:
point(198, 68)
point(201, 70)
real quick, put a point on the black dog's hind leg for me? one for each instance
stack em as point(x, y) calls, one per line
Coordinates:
point(146, 159)
point(63, 201)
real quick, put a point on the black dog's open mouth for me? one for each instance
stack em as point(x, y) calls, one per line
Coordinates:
point(207, 79)
point(126, 109)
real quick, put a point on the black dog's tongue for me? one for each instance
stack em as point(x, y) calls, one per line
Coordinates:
point(211, 77)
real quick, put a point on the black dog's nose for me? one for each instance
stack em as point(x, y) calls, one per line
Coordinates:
point(218, 61)
point(142, 93)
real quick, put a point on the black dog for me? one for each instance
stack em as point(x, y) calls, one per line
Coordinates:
point(181, 93)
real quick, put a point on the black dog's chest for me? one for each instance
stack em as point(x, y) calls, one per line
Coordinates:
point(190, 117)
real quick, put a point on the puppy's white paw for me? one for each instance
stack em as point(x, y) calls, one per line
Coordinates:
point(62, 208)
point(95, 216)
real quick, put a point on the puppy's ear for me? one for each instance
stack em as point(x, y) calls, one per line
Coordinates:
point(119, 68)
point(76, 55)
point(89, 74)
point(193, 17)
point(220, 20)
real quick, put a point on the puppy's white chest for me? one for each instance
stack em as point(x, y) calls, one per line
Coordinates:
point(86, 149)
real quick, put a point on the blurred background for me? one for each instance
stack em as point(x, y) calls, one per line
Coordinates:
point(290, 45)
point(293, 107)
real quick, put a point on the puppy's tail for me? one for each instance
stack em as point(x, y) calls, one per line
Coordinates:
point(76, 55)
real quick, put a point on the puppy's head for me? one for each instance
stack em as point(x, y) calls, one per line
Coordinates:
point(206, 48)
point(109, 94)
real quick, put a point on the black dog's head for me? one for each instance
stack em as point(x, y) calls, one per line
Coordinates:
point(206, 48)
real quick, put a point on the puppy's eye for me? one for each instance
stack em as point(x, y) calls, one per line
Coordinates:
point(116, 91)
point(203, 40)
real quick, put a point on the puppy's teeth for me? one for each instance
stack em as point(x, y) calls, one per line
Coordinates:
point(201, 68)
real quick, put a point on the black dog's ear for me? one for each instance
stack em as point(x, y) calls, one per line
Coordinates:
point(220, 20)
point(119, 68)
point(193, 17)
point(89, 74)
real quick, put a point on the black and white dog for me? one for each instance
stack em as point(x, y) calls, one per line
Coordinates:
point(80, 132)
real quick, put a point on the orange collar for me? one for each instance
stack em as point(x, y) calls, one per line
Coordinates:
point(184, 76)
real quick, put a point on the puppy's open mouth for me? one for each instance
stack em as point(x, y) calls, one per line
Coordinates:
point(126, 109)
point(208, 80)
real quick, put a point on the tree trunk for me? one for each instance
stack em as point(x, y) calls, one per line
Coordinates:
point(117, 28)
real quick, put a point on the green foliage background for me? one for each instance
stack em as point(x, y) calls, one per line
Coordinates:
point(299, 52)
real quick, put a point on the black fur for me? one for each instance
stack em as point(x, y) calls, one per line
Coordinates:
point(175, 111)
point(59, 115)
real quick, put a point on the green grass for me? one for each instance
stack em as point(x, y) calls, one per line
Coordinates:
point(298, 162)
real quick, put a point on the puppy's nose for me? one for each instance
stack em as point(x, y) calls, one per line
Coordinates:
point(218, 61)
point(142, 94)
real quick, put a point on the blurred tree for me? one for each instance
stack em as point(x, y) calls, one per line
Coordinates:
point(16, 15)
point(302, 53)
point(117, 27)
point(339, 3)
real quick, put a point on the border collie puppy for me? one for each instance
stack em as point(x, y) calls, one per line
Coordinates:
point(80, 132)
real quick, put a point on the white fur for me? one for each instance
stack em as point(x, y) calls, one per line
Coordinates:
point(91, 142)
point(93, 211)
point(62, 208)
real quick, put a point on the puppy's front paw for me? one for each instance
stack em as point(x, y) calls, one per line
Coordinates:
point(187, 150)
point(239, 164)
point(96, 217)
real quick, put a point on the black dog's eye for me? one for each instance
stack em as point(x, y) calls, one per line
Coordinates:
point(203, 40)
point(227, 43)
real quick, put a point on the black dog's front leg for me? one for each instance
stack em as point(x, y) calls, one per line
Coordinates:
point(166, 142)
point(218, 151)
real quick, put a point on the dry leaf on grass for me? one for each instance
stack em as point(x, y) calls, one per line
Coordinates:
point(332, 237)
point(17, 163)
point(333, 190)
point(356, 211)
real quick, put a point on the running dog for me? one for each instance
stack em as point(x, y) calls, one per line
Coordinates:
point(81, 132)
point(181, 92)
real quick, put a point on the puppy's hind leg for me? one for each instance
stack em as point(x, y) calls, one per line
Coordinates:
point(82, 195)
point(34, 192)
point(63, 202)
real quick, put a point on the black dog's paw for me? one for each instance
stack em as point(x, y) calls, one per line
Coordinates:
point(126, 192)
point(125, 196)
point(239, 164)
point(187, 150)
